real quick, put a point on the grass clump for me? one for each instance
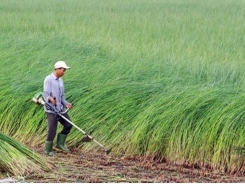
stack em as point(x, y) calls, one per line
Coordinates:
point(18, 160)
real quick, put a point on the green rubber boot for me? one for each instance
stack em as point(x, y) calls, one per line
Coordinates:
point(49, 148)
point(61, 138)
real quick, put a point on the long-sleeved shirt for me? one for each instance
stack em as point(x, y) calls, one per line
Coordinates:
point(54, 87)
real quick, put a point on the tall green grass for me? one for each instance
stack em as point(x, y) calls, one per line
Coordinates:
point(18, 160)
point(154, 78)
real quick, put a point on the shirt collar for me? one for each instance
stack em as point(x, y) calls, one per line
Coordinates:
point(54, 77)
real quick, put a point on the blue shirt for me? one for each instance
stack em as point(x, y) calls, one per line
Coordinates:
point(54, 87)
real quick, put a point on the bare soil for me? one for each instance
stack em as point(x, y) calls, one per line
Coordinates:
point(96, 167)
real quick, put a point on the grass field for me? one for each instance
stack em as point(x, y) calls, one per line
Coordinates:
point(163, 78)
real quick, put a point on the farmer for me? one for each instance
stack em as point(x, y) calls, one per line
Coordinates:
point(53, 95)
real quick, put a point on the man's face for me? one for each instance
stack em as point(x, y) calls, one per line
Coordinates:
point(60, 72)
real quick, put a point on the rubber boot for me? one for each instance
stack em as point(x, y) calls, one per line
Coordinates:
point(61, 138)
point(49, 148)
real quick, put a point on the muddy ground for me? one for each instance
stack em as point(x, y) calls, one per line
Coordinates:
point(97, 167)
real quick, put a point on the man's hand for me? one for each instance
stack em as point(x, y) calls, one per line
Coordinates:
point(52, 100)
point(69, 106)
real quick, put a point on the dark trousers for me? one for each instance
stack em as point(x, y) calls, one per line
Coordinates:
point(53, 120)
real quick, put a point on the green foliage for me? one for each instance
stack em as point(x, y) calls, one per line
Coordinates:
point(160, 78)
point(19, 160)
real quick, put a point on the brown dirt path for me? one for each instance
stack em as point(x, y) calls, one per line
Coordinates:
point(96, 167)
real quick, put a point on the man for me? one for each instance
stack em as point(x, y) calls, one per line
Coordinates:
point(53, 95)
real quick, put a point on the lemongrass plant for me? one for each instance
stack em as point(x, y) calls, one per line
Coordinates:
point(17, 160)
